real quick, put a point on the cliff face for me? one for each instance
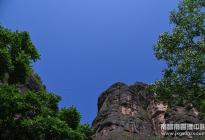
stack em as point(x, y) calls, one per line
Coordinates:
point(130, 113)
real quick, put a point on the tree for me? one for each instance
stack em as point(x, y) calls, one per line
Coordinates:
point(16, 55)
point(31, 114)
point(87, 130)
point(71, 116)
point(184, 53)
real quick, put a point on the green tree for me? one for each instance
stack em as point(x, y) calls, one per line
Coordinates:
point(16, 55)
point(71, 116)
point(87, 130)
point(31, 114)
point(184, 52)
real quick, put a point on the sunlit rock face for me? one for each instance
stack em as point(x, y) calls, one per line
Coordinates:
point(156, 110)
point(130, 113)
point(120, 115)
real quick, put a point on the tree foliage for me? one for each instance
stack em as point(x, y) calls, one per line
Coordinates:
point(71, 116)
point(31, 114)
point(184, 52)
point(16, 55)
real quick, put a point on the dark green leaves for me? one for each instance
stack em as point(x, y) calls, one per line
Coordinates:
point(35, 116)
point(71, 116)
point(16, 55)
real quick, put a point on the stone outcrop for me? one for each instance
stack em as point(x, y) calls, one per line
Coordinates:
point(33, 83)
point(156, 112)
point(120, 115)
point(131, 113)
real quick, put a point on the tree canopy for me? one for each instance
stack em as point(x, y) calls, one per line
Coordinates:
point(25, 113)
point(16, 55)
point(183, 49)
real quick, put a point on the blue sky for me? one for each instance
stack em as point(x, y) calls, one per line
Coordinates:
point(87, 45)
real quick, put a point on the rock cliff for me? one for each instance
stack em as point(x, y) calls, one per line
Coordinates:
point(131, 113)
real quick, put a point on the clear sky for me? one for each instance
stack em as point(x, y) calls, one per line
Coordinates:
point(87, 45)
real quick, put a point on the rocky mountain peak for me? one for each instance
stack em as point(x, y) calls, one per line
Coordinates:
point(131, 113)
